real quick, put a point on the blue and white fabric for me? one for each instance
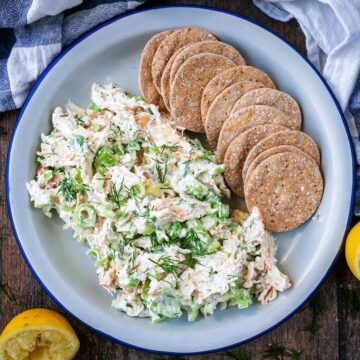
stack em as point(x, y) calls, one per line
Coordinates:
point(33, 32)
point(332, 31)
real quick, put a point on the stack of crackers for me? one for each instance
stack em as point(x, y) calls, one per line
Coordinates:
point(255, 129)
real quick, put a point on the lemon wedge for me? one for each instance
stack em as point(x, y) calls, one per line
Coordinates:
point(352, 250)
point(38, 334)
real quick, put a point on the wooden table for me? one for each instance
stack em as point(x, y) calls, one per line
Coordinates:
point(327, 328)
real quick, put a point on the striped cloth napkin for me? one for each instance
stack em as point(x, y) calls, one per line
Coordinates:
point(33, 32)
point(332, 31)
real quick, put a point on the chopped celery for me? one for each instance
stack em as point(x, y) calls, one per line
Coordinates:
point(48, 175)
point(104, 159)
point(85, 215)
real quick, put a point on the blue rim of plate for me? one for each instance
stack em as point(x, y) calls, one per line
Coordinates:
point(32, 92)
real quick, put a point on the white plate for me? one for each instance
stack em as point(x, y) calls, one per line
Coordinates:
point(111, 53)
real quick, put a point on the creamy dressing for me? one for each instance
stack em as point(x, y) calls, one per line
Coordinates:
point(149, 203)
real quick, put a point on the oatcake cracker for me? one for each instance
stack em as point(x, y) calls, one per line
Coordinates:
point(230, 77)
point(287, 137)
point(267, 153)
point(146, 84)
point(245, 119)
point(170, 44)
point(272, 97)
point(286, 188)
point(165, 79)
point(186, 52)
point(221, 108)
point(238, 150)
point(215, 47)
point(188, 85)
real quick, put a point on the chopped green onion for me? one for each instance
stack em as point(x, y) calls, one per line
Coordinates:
point(85, 216)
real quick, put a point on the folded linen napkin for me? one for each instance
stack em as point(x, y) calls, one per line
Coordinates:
point(33, 32)
point(332, 31)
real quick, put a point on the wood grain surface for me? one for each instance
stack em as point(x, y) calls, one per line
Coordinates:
point(326, 328)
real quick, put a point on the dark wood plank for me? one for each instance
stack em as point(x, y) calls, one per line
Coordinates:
point(337, 322)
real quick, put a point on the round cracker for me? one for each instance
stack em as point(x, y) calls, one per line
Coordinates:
point(221, 108)
point(267, 153)
point(238, 150)
point(170, 44)
point(186, 52)
point(287, 137)
point(230, 77)
point(188, 85)
point(146, 84)
point(214, 47)
point(272, 97)
point(287, 189)
point(245, 119)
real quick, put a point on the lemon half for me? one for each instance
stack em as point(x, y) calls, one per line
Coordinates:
point(38, 334)
point(352, 250)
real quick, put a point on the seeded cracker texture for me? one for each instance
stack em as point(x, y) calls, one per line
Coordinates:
point(230, 77)
point(287, 137)
point(272, 97)
point(267, 153)
point(170, 45)
point(146, 84)
point(188, 85)
point(287, 189)
point(186, 52)
point(238, 150)
point(245, 119)
point(221, 108)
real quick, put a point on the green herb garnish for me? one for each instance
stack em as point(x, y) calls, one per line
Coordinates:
point(114, 194)
point(69, 186)
point(193, 242)
point(236, 355)
point(278, 352)
point(187, 167)
point(168, 264)
point(104, 159)
point(317, 305)
point(161, 170)
point(78, 119)
point(95, 108)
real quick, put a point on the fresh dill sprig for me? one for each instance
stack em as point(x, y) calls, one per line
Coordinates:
point(191, 262)
point(352, 296)
point(161, 171)
point(236, 355)
point(194, 243)
point(187, 167)
point(279, 352)
point(172, 266)
point(10, 293)
point(171, 148)
point(114, 194)
point(132, 193)
point(78, 119)
point(66, 187)
point(69, 187)
point(168, 264)
point(317, 305)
